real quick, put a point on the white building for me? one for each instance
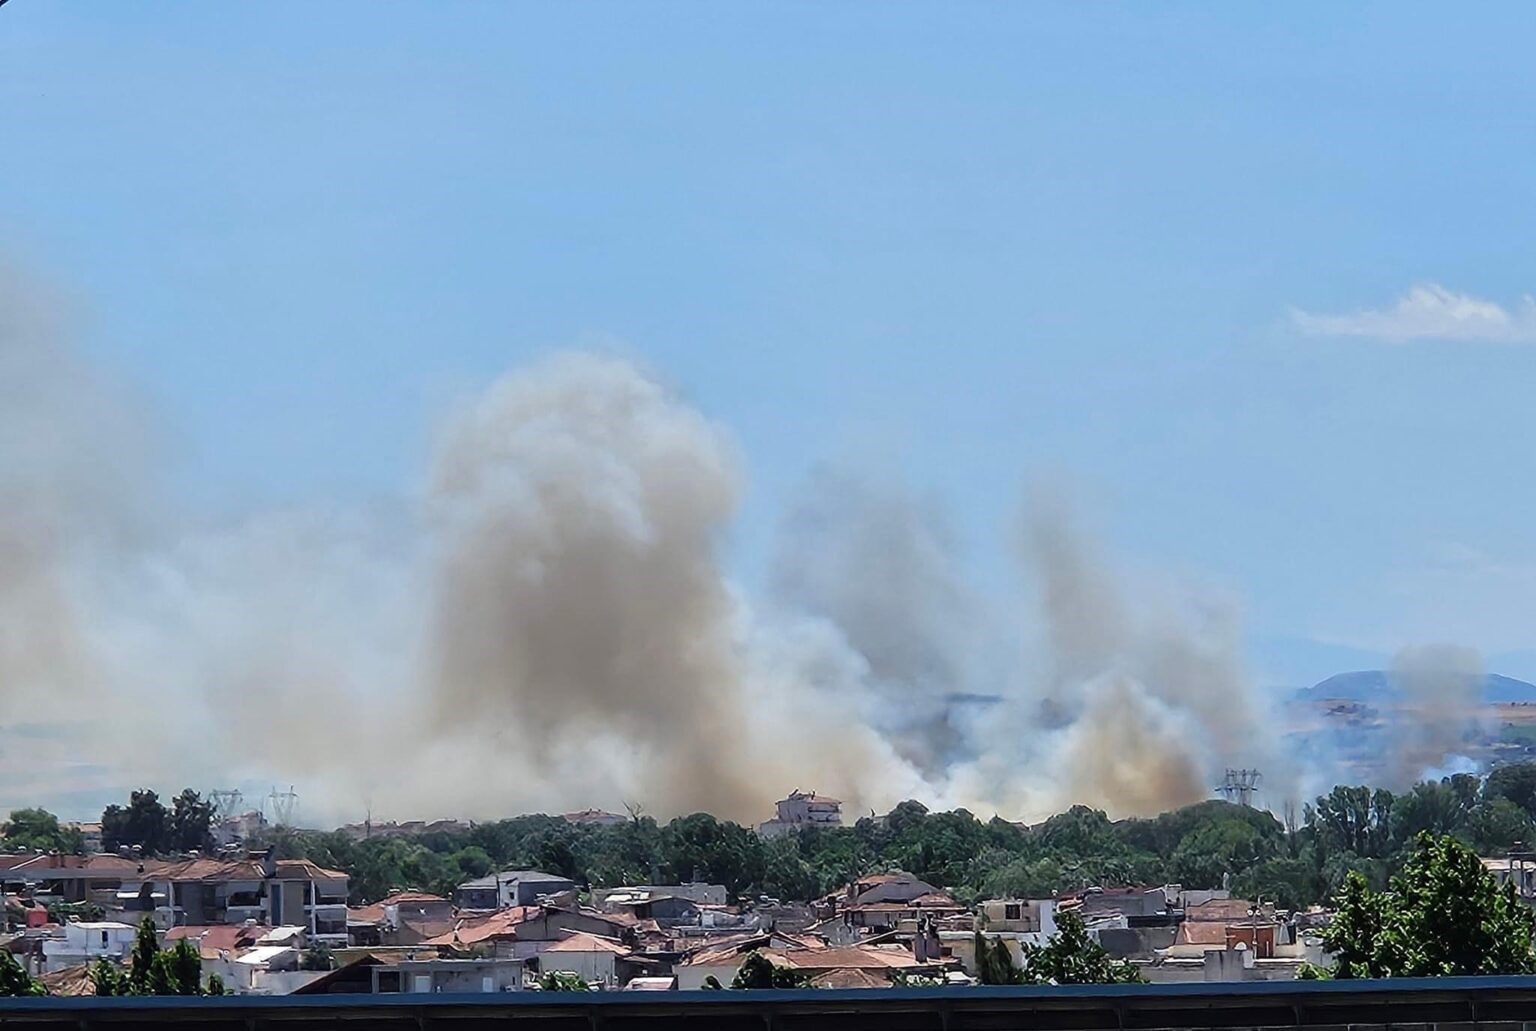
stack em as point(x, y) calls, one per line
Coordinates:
point(84, 942)
point(1021, 916)
point(803, 809)
point(596, 960)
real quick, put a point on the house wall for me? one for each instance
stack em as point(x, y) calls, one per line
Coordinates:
point(671, 911)
point(456, 976)
point(589, 966)
point(477, 898)
point(282, 982)
point(691, 977)
point(525, 892)
point(896, 891)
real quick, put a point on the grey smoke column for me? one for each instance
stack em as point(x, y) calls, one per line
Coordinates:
point(866, 554)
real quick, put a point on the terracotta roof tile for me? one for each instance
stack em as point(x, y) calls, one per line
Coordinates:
point(472, 930)
point(581, 941)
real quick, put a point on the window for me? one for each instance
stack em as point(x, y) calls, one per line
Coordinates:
point(1011, 911)
point(103, 939)
point(389, 980)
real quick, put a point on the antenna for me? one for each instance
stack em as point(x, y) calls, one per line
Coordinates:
point(284, 804)
point(1239, 786)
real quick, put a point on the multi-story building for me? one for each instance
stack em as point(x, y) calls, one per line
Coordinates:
point(803, 809)
point(207, 890)
point(511, 888)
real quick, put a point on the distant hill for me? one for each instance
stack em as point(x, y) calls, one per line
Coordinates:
point(1375, 685)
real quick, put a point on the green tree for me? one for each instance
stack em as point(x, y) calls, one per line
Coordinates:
point(1357, 935)
point(1453, 918)
point(785, 874)
point(1072, 957)
point(1356, 820)
point(719, 852)
point(1024, 878)
point(757, 971)
point(109, 978)
point(14, 979)
point(563, 981)
point(143, 822)
point(317, 957)
point(39, 830)
point(177, 970)
point(1442, 914)
point(141, 962)
point(1291, 882)
point(190, 826)
point(1497, 824)
point(994, 964)
point(1515, 782)
point(151, 969)
point(472, 861)
point(1435, 807)
point(1218, 849)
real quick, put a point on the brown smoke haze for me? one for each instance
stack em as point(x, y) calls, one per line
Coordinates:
point(545, 623)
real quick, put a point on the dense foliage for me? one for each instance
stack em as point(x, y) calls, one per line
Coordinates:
point(1070, 956)
point(153, 970)
point(1442, 914)
point(14, 979)
point(1350, 829)
point(757, 971)
point(38, 830)
point(145, 822)
point(1358, 830)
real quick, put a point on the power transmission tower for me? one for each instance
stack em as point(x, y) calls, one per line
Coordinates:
point(1239, 786)
point(284, 804)
point(225, 802)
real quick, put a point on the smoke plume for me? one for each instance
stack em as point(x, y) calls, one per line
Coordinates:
point(1440, 689)
point(544, 622)
point(880, 564)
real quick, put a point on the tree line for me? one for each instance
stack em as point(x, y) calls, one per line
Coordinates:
point(1208, 845)
point(1351, 829)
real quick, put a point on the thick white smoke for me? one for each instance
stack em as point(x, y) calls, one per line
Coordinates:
point(545, 623)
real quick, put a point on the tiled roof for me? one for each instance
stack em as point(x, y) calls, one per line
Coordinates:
point(581, 941)
point(303, 868)
point(472, 930)
point(216, 938)
point(850, 977)
point(212, 869)
point(98, 863)
point(1201, 932)
point(724, 950)
point(205, 868)
point(1227, 910)
point(850, 957)
point(70, 981)
point(937, 899)
point(374, 913)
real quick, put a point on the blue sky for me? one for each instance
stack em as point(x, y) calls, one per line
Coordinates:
point(1164, 253)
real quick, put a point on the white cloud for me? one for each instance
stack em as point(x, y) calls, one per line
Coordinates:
point(1429, 311)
